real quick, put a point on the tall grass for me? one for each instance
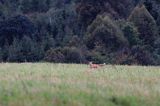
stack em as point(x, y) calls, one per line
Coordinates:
point(45, 84)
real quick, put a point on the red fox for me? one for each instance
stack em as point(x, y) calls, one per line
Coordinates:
point(94, 66)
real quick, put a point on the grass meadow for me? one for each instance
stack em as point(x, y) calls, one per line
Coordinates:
point(46, 84)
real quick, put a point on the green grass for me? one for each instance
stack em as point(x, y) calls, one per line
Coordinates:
point(45, 84)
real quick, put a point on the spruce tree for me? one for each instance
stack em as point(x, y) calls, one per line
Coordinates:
point(145, 23)
point(104, 32)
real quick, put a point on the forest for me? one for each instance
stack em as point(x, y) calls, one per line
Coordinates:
point(123, 32)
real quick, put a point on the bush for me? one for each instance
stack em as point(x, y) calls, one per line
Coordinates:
point(98, 57)
point(55, 55)
point(142, 56)
point(65, 55)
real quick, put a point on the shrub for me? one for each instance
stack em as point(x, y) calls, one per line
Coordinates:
point(73, 55)
point(54, 55)
point(98, 57)
point(142, 56)
point(65, 55)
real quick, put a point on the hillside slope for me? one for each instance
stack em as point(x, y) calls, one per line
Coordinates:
point(70, 31)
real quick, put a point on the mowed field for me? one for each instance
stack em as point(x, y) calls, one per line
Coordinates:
point(46, 84)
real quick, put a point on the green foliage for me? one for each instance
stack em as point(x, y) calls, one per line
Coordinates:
point(28, 6)
point(157, 51)
point(105, 39)
point(104, 31)
point(99, 57)
point(65, 55)
point(142, 56)
point(153, 7)
point(145, 23)
point(85, 30)
point(16, 28)
point(24, 50)
point(75, 41)
point(54, 55)
point(130, 32)
point(1, 55)
point(89, 9)
point(48, 42)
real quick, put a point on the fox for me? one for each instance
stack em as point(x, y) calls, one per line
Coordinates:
point(95, 66)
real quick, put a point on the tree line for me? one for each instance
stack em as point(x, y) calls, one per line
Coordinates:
point(78, 31)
